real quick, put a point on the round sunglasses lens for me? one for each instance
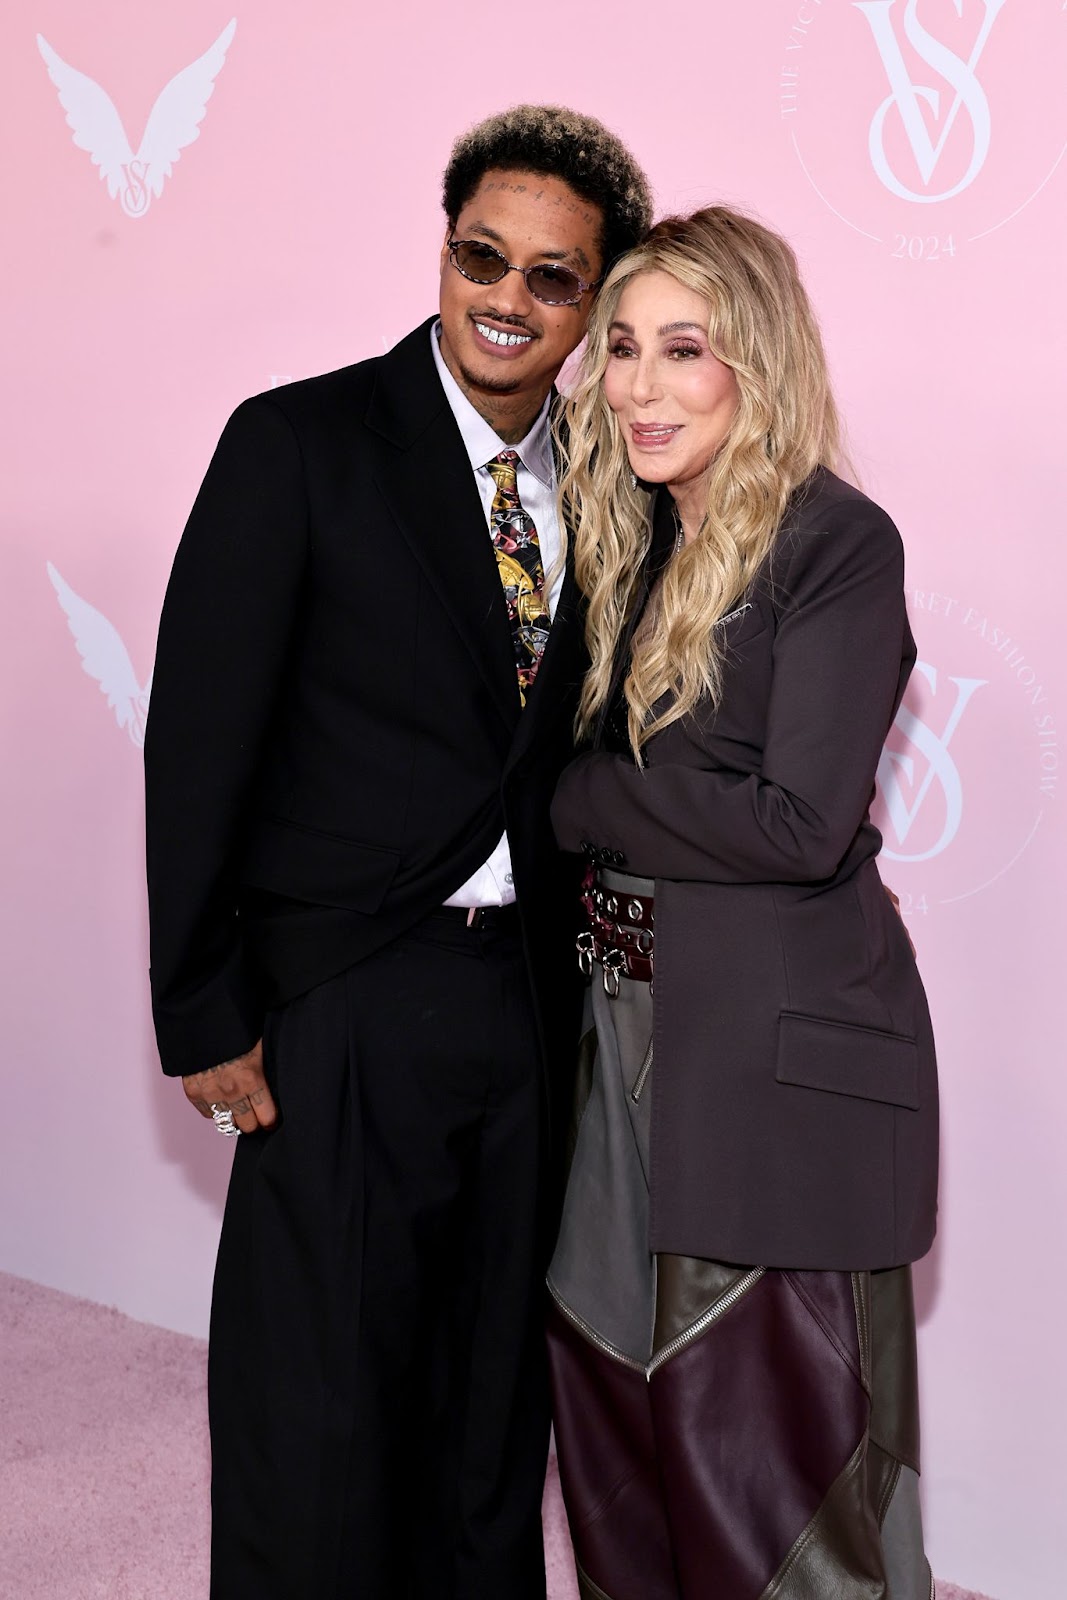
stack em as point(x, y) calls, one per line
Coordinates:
point(554, 285)
point(480, 261)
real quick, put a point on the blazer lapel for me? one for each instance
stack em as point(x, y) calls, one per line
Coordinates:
point(660, 549)
point(427, 484)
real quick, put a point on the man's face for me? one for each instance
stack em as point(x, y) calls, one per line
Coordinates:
point(504, 346)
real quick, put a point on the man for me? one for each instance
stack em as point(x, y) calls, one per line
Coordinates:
point(363, 695)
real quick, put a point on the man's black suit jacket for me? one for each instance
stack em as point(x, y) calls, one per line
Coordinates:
point(335, 741)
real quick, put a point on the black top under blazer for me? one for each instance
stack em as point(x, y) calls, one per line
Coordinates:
point(335, 741)
point(794, 1109)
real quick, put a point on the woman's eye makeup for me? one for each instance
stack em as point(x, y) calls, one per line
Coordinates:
point(679, 349)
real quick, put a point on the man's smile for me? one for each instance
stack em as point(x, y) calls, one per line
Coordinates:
point(494, 334)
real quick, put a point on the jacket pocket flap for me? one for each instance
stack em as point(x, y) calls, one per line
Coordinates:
point(322, 868)
point(842, 1058)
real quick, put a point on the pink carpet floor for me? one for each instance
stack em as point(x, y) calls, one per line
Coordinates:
point(104, 1458)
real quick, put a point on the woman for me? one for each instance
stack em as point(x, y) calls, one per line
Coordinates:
point(732, 1330)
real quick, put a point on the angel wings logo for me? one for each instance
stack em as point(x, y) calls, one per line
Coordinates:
point(106, 659)
point(174, 122)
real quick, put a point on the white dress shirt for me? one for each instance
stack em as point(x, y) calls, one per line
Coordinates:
point(492, 884)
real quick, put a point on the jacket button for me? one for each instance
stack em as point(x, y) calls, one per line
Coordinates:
point(587, 849)
point(617, 858)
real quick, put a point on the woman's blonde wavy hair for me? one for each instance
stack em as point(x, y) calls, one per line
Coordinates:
point(760, 323)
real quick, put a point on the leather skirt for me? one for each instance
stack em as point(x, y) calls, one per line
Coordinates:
point(724, 1431)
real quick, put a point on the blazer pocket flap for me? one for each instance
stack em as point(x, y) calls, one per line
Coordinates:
point(842, 1058)
point(322, 868)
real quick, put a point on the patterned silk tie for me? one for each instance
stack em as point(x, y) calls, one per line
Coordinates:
point(518, 559)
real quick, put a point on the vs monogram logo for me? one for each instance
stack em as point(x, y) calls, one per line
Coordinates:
point(908, 98)
point(971, 763)
point(897, 765)
point(968, 134)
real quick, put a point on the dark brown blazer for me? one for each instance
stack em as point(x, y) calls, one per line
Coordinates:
point(794, 1119)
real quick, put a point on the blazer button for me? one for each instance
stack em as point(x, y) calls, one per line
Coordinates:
point(588, 849)
point(617, 858)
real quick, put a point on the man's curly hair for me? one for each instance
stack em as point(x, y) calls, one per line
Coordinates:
point(556, 142)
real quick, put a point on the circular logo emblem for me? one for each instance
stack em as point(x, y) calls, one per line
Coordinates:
point(971, 766)
point(926, 124)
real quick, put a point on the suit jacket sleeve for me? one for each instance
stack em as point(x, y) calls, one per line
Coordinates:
point(225, 630)
point(837, 677)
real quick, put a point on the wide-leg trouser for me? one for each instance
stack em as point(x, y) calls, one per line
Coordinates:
point(724, 1432)
point(378, 1398)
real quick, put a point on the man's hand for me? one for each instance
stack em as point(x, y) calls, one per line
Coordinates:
point(896, 907)
point(238, 1086)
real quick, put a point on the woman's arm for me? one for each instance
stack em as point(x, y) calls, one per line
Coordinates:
point(837, 678)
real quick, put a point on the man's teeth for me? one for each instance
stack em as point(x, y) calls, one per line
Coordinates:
point(496, 337)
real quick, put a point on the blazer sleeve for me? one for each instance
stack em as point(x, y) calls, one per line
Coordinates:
point(227, 621)
point(841, 655)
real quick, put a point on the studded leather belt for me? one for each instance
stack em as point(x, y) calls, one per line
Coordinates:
point(621, 935)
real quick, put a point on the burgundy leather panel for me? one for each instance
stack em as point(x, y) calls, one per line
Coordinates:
point(830, 1297)
point(608, 1468)
point(753, 1422)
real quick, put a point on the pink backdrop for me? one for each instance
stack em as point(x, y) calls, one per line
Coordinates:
point(911, 149)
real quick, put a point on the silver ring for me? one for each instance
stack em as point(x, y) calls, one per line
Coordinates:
point(612, 965)
point(586, 951)
point(222, 1117)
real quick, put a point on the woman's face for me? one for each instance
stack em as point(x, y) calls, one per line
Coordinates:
point(673, 397)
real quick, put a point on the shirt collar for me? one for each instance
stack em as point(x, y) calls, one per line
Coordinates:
point(482, 442)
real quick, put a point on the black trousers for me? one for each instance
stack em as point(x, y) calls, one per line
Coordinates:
point(378, 1399)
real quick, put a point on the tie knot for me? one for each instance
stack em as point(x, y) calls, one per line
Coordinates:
point(502, 470)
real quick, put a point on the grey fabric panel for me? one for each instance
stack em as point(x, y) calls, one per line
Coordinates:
point(907, 1569)
point(602, 1271)
point(583, 1084)
point(686, 1288)
point(839, 1554)
point(621, 883)
point(894, 1366)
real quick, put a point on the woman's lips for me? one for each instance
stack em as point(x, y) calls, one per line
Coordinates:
point(654, 435)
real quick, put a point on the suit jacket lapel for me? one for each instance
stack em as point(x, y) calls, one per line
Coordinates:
point(559, 675)
point(562, 668)
point(430, 490)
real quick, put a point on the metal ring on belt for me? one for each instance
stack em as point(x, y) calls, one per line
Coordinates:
point(624, 948)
